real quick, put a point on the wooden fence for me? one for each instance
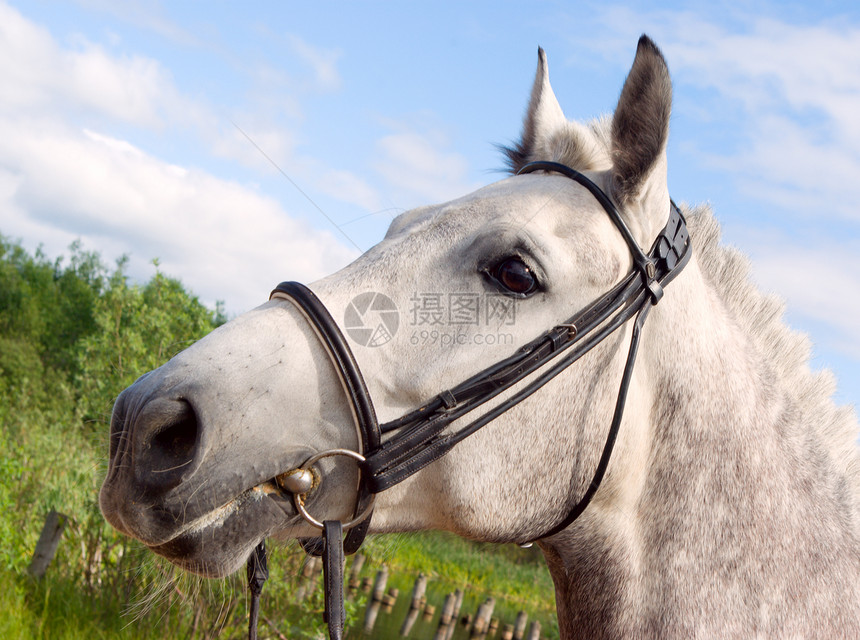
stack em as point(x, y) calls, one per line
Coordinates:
point(478, 625)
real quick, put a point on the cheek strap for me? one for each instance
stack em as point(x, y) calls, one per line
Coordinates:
point(258, 573)
point(333, 562)
point(333, 565)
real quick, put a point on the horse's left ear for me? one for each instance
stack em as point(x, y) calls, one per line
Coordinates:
point(640, 130)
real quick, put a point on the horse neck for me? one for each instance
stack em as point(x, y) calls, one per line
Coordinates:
point(733, 510)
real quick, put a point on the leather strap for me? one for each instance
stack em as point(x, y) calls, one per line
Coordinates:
point(419, 440)
point(575, 511)
point(422, 436)
point(258, 573)
point(341, 355)
point(333, 563)
point(344, 362)
point(639, 258)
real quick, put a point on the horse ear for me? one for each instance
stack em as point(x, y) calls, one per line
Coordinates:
point(640, 130)
point(544, 116)
point(548, 135)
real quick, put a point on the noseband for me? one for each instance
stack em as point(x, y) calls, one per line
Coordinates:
point(422, 436)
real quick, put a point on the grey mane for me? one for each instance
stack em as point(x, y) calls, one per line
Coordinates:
point(830, 430)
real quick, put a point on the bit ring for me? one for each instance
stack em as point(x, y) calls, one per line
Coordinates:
point(299, 498)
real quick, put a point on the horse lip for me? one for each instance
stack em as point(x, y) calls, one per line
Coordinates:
point(216, 517)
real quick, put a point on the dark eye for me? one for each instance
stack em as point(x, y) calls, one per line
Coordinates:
point(515, 276)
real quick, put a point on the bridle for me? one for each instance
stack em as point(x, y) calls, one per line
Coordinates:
point(422, 436)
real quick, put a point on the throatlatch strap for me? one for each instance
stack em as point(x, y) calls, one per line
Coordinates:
point(333, 578)
point(258, 573)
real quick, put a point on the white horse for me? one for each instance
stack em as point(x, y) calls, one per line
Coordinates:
point(731, 503)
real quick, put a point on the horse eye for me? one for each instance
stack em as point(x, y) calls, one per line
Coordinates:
point(515, 276)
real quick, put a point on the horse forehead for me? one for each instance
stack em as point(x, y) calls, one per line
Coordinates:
point(551, 214)
point(530, 195)
point(553, 202)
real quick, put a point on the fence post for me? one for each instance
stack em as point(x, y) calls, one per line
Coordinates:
point(482, 618)
point(375, 601)
point(418, 603)
point(418, 590)
point(534, 631)
point(357, 564)
point(379, 584)
point(520, 625)
point(458, 604)
point(49, 539)
point(448, 609)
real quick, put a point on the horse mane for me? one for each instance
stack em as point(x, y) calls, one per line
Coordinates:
point(817, 420)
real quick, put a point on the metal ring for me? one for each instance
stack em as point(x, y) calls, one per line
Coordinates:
point(298, 499)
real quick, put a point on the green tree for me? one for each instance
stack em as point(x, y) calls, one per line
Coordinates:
point(72, 335)
point(138, 328)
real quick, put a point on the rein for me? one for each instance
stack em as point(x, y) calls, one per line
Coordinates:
point(420, 437)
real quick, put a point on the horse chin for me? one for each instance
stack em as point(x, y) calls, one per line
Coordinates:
point(217, 559)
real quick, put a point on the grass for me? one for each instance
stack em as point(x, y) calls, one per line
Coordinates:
point(61, 606)
point(56, 609)
point(101, 585)
point(519, 574)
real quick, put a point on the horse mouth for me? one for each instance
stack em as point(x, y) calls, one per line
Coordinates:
point(218, 542)
point(216, 517)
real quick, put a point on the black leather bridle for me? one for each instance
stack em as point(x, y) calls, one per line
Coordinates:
point(422, 436)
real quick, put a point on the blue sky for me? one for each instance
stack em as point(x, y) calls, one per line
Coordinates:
point(127, 125)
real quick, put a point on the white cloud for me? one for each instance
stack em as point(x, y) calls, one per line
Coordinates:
point(807, 278)
point(41, 77)
point(785, 162)
point(254, 144)
point(777, 105)
point(148, 14)
point(786, 94)
point(323, 63)
point(61, 180)
point(777, 65)
point(37, 75)
point(789, 93)
point(799, 91)
point(420, 167)
point(348, 187)
point(218, 236)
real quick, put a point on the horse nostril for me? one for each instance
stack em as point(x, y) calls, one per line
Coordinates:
point(168, 444)
point(176, 441)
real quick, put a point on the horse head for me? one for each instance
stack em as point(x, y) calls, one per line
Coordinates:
point(468, 305)
point(196, 444)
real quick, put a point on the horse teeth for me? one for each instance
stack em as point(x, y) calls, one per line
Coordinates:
point(267, 488)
